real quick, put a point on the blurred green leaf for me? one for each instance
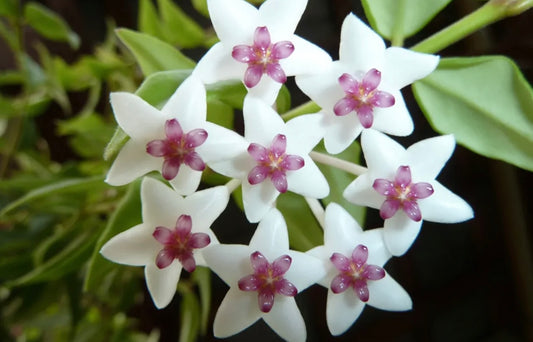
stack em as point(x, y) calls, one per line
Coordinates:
point(283, 101)
point(180, 29)
point(126, 215)
point(202, 276)
point(338, 180)
point(8, 8)
point(304, 231)
point(401, 18)
point(231, 93)
point(485, 102)
point(157, 88)
point(61, 187)
point(190, 317)
point(201, 7)
point(148, 19)
point(49, 24)
point(220, 113)
point(153, 54)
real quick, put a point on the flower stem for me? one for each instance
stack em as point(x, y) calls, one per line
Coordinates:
point(306, 108)
point(487, 14)
point(317, 210)
point(338, 163)
point(233, 184)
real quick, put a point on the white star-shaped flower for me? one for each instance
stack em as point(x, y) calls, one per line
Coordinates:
point(353, 259)
point(258, 46)
point(274, 158)
point(176, 140)
point(172, 236)
point(362, 89)
point(401, 183)
point(263, 278)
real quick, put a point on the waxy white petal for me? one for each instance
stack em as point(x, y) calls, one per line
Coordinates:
point(188, 104)
point(131, 162)
point(218, 257)
point(387, 294)
point(444, 206)
point(299, 180)
point(435, 151)
point(162, 283)
point(132, 247)
point(258, 199)
point(404, 67)
point(286, 320)
point(237, 312)
point(400, 232)
point(394, 120)
point(271, 237)
point(161, 206)
point(342, 310)
point(316, 59)
point(217, 65)
point(186, 181)
point(281, 16)
point(234, 20)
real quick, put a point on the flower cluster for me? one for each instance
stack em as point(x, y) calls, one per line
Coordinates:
point(359, 95)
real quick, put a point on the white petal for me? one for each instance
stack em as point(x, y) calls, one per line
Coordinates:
point(162, 283)
point(229, 262)
point(387, 294)
point(308, 181)
point(342, 310)
point(360, 46)
point(161, 205)
point(340, 227)
point(234, 20)
point(271, 237)
point(306, 59)
point(286, 320)
point(444, 206)
point(378, 253)
point(136, 117)
point(281, 16)
point(322, 254)
point(361, 192)
point(383, 155)
point(400, 233)
point(304, 133)
point(188, 104)
point(341, 131)
point(218, 65)
point(394, 120)
point(131, 163)
point(267, 89)
point(323, 88)
point(205, 206)
point(261, 122)
point(135, 246)
point(305, 270)
point(237, 312)
point(236, 167)
point(221, 144)
point(186, 181)
point(427, 157)
point(258, 199)
point(403, 67)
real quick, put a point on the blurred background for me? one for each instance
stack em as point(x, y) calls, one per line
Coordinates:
point(469, 282)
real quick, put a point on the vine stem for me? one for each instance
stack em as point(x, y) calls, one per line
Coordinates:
point(233, 184)
point(306, 108)
point(338, 163)
point(317, 209)
point(487, 14)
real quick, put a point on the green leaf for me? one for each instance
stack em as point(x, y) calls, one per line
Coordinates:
point(8, 8)
point(304, 231)
point(201, 7)
point(338, 180)
point(49, 24)
point(148, 19)
point(153, 54)
point(126, 215)
point(398, 19)
point(485, 102)
point(220, 113)
point(190, 317)
point(202, 276)
point(61, 187)
point(180, 29)
point(283, 101)
point(231, 93)
point(158, 87)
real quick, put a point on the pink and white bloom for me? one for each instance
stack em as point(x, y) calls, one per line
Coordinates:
point(176, 140)
point(401, 183)
point(263, 278)
point(353, 259)
point(362, 89)
point(172, 235)
point(258, 46)
point(274, 158)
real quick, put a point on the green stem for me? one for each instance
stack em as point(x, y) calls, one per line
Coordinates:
point(487, 14)
point(306, 108)
point(340, 164)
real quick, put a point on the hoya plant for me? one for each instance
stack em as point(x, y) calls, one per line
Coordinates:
point(187, 137)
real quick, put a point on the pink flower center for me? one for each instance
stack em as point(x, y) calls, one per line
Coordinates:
point(262, 57)
point(402, 193)
point(362, 97)
point(268, 280)
point(179, 243)
point(273, 162)
point(178, 148)
point(355, 272)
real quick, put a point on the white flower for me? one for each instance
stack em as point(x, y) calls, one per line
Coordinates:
point(353, 261)
point(362, 89)
point(171, 237)
point(177, 141)
point(402, 184)
point(263, 278)
point(274, 158)
point(258, 46)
